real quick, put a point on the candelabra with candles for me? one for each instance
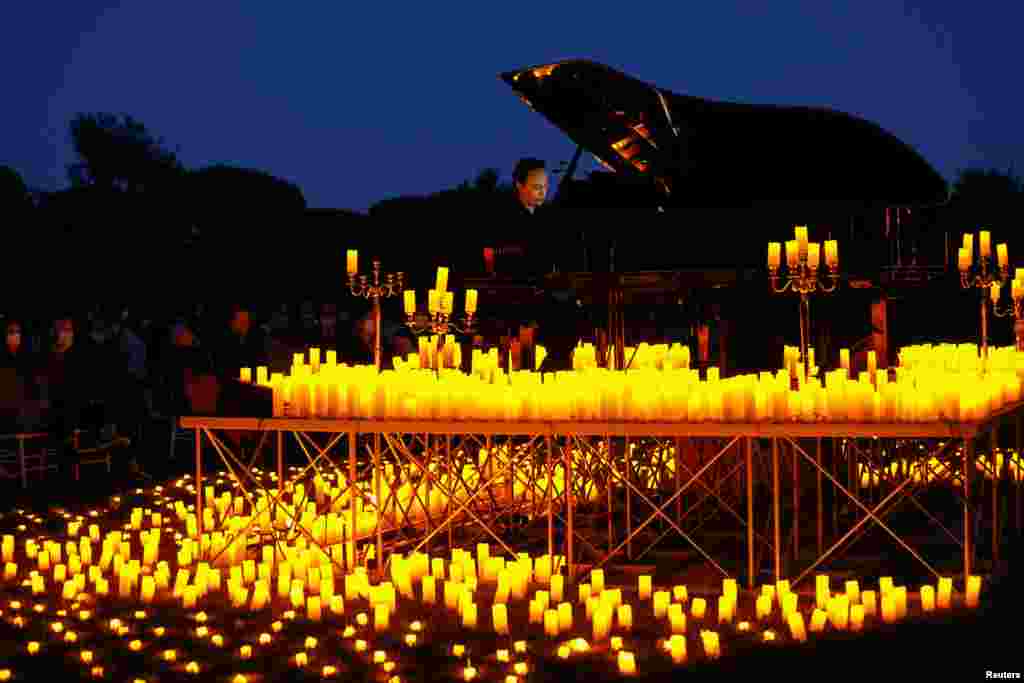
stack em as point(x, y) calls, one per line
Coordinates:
point(383, 286)
point(803, 259)
point(1016, 308)
point(440, 305)
point(983, 275)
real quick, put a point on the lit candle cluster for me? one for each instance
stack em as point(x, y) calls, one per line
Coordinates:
point(221, 597)
point(931, 384)
point(932, 470)
point(961, 358)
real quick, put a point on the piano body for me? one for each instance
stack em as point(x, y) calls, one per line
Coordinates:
point(693, 191)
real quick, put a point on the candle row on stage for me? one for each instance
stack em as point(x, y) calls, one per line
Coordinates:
point(922, 391)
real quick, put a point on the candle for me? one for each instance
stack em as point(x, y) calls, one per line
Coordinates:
point(471, 300)
point(928, 598)
point(551, 623)
point(565, 617)
point(888, 608)
point(792, 253)
point(627, 663)
point(853, 592)
point(945, 593)
point(726, 606)
point(245, 376)
point(442, 279)
point(676, 618)
point(844, 360)
point(818, 619)
point(985, 244)
point(814, 255)
point(973, 590)
point(994, 290)
point(774, 255)
point(602, 622)
point(625, 617)
point(644, 587)
point(469, 615)
point(314, 609)
point(433, 301)
point(352, 261)
point(699, 608)
point(868, 599)
point(557, 587)
point(764, 607)
point(800, 233)
point(536, 612)
point(409, 298)
point(677, 648)
point(382, 618)
point(499, 615)
point(1003, 256)
point(963, 257)
point(661, 603)
point(797, 630)
point(857, 618)
point(832, 254)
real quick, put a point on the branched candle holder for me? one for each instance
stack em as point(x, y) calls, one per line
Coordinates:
point(1016, 307)
point(803, 261)
point(382, 286)
point(440, 304)
point(983, 275)
point(440, 323)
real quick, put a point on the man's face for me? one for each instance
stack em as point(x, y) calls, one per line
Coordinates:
point(240, 323)
point(13, 337)
point(65, 331)
point(534, 190)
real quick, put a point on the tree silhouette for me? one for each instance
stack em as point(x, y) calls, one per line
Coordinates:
point(14, 195)
point(987, 198)
point(978, 185)
point(119, 153)
point(221, 189)
point(225, 203)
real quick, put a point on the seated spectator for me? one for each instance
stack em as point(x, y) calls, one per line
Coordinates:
point(16, 379)
point(360, 346)
point(64, 377)
point(15, 352)
point(242, 345)
point(128, 405)
point(183, 363)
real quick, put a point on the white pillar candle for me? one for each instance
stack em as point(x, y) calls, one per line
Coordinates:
point(499, 615)
point(644, 587)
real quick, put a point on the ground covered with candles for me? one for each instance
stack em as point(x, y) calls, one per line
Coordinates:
point(132, 591)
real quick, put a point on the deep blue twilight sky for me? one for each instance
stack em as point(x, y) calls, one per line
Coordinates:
point(359, 101)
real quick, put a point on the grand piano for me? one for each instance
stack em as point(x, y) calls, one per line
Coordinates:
point(692, 192)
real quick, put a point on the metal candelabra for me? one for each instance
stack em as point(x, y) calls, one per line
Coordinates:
point(440, 304)
point(440, 322)
point(802, 278)
point(1016, 309)
point(382, 286)
point(982, 275)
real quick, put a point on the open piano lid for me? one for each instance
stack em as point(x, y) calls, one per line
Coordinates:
point(704, 153)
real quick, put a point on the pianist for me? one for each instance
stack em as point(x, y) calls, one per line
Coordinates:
point(520, 241)
point(531, 186)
